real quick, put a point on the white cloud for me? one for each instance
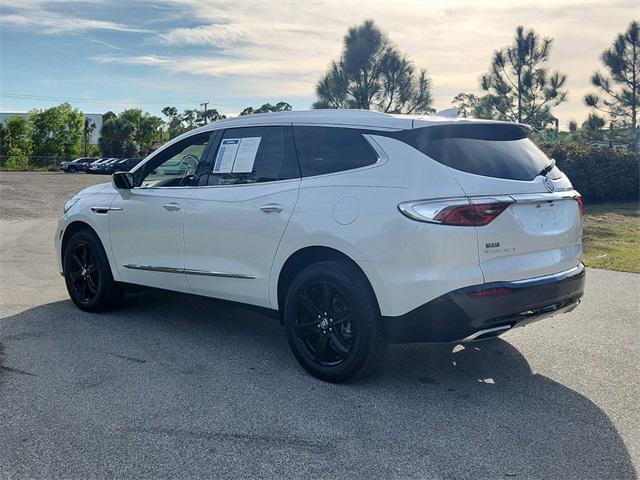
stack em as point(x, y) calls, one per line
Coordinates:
point(280, 48)
point(290, 78)
point(228, 34)
point(49, 22)
point(135, 60)
point(453, 40)
point(218, 35)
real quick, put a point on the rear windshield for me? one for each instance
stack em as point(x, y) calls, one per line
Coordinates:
point(500, 151)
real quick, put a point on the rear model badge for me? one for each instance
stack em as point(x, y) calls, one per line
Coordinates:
point(549, 184)
point(492, 245)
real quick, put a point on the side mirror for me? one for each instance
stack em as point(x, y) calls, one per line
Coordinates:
point(123, 180)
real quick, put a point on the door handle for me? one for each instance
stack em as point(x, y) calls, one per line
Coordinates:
point(271, 207)
point(172, 207)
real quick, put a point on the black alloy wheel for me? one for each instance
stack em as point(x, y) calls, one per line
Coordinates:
point(87, 273)
point(323, 325)
point(333, 322)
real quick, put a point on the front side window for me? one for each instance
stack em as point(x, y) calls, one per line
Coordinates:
point(174, 166)
point(254, 155)
point(329, 149)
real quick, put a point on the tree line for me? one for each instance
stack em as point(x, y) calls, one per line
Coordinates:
point(58, 131)
point(371, 73)
point(63, 131)
point(518, 87)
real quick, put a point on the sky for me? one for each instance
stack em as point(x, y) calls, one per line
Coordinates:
point(111, 54)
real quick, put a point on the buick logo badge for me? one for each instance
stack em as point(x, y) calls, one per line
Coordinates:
point(549, 184)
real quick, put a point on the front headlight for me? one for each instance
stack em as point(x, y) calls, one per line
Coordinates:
point(71, 203)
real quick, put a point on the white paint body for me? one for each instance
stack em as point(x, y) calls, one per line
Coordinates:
point(408, 263)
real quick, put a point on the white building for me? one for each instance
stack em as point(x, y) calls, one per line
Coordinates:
point(96, 118)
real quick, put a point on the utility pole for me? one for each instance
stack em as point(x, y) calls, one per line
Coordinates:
point(204, 104)
point(89, 126)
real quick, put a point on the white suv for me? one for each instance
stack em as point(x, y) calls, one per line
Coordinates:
point(359, 228)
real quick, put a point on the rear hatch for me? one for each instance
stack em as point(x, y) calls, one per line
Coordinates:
point(540, 232)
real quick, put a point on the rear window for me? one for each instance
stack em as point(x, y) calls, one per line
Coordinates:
point(500, 151)
point(331, 149)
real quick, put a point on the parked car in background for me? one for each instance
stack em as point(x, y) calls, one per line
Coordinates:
point(129, 163)
point(609, 144)
point(86, 166)
point(76, 165)
point(356, 228)
point(107, 168)
point(121, 165)
point(96, 167)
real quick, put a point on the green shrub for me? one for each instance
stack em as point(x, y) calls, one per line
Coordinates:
point(599, 174)
point(17, 160)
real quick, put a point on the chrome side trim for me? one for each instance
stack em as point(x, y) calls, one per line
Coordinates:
point(544, 197)
point(431, 207)
point(187, 271)
point(555, 276)
point(191, 271)
point(473, 336)
point(153, 268)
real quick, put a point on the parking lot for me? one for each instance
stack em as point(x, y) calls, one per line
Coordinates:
point(181, 386)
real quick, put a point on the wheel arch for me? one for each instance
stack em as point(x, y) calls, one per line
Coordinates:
point(73, 228)
point(306, 256)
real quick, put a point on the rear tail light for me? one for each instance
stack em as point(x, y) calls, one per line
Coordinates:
point(578, 199)
point(471, 215)
point(456, 211)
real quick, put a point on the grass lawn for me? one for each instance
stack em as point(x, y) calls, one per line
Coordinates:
point(611, 236)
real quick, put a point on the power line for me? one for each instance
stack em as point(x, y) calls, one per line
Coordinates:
point(102, 101)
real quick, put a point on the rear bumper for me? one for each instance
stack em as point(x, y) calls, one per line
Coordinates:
point(483, 311)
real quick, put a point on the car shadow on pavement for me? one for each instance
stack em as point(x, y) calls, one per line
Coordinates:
point(166, 374)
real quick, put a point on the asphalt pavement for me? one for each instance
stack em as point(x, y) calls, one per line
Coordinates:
point(171, 386)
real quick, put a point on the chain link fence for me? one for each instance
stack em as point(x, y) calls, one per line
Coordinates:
point(32, 162)
point(40, 163)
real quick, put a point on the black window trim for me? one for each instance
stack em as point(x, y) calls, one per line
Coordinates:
point(206, 163)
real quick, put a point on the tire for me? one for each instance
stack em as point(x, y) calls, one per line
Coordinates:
point(333, 322)
point(87, 274)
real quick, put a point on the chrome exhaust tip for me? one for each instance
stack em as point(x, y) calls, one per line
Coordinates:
point(486, 333)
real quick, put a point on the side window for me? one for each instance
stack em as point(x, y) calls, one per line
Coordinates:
point(253, 155)
point(175, 165)
point(328, 149)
